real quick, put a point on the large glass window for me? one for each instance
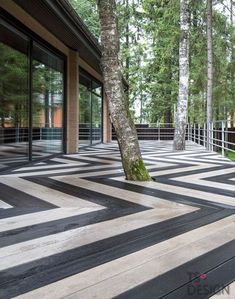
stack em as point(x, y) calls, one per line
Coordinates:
point(14, 98)
point(47, 108)
point(31, 98)
point(90, 110)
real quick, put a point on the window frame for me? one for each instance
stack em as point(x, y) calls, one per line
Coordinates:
point(13, 24)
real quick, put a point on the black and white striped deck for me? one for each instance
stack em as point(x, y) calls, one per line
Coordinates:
point(72, 227)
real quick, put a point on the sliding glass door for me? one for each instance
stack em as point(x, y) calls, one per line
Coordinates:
point(14, 97)
point(90, 110)
point(85, 131)
point(96, 96)
point(31, 98)
point(47, 108)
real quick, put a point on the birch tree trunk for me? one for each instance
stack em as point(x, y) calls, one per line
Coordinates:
point(231, 112)
point(209, 71)
point(132, 161)
point(182, 105)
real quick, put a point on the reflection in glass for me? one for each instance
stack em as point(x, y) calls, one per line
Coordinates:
point(16, 118)
point(47, 102)
point(90, 110)
point(13, 98)
point(96, 118)
point(97, 88)
point(85, 114)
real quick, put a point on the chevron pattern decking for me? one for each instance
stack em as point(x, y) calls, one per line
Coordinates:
point(72, 227)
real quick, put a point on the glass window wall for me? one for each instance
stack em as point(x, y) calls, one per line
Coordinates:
point(47, 108)
point(90, 110)
point(31, 119)
point(14, 96)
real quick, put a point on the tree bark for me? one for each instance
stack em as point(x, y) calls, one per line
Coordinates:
point(232, 62)
point(182, 105)
point(132, 161)
point(127, 40)
point(209, 70)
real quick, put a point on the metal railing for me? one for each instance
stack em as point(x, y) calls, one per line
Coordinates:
point(17, 134)
point(153, 131)
point(218, 136)
point(88, 131)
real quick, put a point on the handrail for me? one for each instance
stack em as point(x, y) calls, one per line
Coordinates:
point(218, 138)
point(218, 135)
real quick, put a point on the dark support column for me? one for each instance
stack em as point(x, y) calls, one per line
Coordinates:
point(30, 86)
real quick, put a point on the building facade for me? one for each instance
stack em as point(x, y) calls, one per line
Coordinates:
point(51, 92)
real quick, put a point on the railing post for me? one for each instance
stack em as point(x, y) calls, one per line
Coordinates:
point(188, 131)
point(17, 133)
point(194, 133)
point(210, 136)
point(204, 135)
point(159, 131)
point(191, 132)
point(199, 134)
point(222, 136)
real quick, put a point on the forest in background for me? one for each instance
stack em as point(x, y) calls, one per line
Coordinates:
point(150, 33)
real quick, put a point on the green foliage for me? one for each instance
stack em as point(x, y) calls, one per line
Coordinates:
point(14, 101)
point(13, 86)
point(162, 69)
point(223, 65)
point(230, 155)
point(149, 31)
point(87, 10)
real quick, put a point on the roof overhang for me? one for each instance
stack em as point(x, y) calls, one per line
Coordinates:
point(58, 17)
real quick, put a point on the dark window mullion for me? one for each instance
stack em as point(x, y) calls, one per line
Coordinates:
point(102, 115)
point(30, 129)
point(64, 130)
point(91, 126)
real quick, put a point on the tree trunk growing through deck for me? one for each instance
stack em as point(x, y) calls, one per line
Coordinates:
point(182, 106)
point(132, 161)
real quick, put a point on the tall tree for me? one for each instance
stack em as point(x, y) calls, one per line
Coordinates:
point(182, 105)
point(209, 68)
point(147, 28)
point(232, 68)
point(132, 161)
point(162, 63)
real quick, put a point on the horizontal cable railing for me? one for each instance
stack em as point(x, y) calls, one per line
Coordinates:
point(218, 136)
point(153, 131)
point(21, 134)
